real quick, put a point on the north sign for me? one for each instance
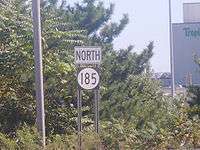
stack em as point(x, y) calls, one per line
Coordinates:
point(87, 55)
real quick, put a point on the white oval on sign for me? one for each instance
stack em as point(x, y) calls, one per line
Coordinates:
point(88, 78)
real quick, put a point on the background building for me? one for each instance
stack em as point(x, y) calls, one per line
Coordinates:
point(186, 46)
point(164, 78)
point(191, 12)
point(165, 82)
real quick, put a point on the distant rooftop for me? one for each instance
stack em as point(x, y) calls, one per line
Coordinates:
point(162, 75)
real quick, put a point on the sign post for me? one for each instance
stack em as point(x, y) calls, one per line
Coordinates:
point(88, 61)
point(79, 105)
point(96, 92)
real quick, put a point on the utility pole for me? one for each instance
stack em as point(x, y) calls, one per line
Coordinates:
point(171, 51)
point(40, 120)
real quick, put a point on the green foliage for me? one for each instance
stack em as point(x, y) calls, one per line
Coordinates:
point(17, 68)
point(194, 101)
point(134, 112)
point(171, 130)
point(28, 138)
point(118, 134)
point(136, 92)
point(63, 27)
point(7, 143)
point(62, 142)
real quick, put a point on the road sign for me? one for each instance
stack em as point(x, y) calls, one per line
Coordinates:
point(88, 78)
point(87, 55)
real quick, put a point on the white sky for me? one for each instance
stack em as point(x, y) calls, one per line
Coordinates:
point(148, 22)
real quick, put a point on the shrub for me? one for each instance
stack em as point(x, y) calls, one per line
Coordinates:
point(6, 143)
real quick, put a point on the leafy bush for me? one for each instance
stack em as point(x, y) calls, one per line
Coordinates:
point(7, 143)
point(62, 142)
point(194, 101)
point(27, 138)
point(116, 135)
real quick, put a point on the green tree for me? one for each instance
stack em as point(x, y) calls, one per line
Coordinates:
point(17, 68)
point(194, 96)
point(194, 101)
point(63, 28)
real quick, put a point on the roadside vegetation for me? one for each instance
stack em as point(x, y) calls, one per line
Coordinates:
point(134, 113)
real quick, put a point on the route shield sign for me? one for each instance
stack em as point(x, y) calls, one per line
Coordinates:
point(88, 78)
point(87, 55)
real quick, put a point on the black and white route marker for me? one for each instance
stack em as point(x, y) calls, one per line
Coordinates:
point(87, 60)
point(88, 78)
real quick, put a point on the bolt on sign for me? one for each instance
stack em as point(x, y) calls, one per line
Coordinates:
point(87, 55)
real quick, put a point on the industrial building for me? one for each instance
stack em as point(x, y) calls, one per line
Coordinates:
point(186, 46)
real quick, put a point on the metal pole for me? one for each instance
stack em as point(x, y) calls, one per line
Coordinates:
point(96, 99)
point(171, 51)
point(38, 70)
point(79, 104)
